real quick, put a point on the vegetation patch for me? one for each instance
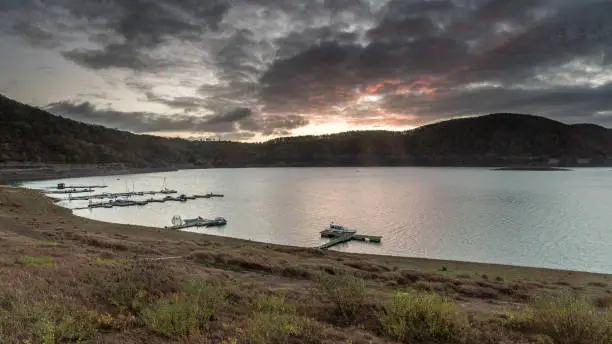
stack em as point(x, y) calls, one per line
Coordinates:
point(43, 261)
point(187, 313)
point(45, 322)
point(112, 260)
point(415, 317)
point(131, 286)
point(347, 292)
point(567, 319)
point(275, 321)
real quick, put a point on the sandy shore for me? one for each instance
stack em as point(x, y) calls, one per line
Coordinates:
point(72, 249)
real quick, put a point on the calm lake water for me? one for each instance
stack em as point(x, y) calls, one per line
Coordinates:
point(544, 219)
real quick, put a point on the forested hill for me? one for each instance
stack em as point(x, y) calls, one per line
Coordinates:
point(28, 134)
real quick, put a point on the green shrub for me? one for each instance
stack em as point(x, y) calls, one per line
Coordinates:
point(276, 321)
point(274, 304)
point(46, 322)
point(414, 316)
point(570, 320)
point(187, 313)
point(272, 328)
point(35, 261)
point(347, 292)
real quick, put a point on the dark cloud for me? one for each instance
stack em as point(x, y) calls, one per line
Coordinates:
point(36, 35)
point(235, 122)
point(231, 117)
point(402, 29)
point(115, 56)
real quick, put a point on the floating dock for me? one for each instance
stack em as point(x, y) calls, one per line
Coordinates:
point(129, 203)
point(120, 194)
point(61, 186)
point(178, 223)
point(68, 191)
point(339, 237)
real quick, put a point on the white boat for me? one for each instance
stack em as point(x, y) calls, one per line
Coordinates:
point(340, 228)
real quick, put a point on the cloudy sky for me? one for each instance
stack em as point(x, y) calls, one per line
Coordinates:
point(252, 69)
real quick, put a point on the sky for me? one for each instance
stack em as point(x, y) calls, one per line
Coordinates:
point(256, 69)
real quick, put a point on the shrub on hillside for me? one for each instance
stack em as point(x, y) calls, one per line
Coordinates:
point(347, 292)
point(567, 319)
point(186, 313)
point(417, 316)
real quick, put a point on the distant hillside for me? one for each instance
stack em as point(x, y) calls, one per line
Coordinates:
point(28, 134)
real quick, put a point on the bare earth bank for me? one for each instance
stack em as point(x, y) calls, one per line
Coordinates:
point(64, 278)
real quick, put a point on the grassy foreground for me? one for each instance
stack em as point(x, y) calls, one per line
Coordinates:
point(65, 279)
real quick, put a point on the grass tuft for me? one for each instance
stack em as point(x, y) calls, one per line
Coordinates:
point(43, 261)
point(415, 317)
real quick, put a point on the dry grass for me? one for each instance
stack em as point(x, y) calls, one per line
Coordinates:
point(414, 317)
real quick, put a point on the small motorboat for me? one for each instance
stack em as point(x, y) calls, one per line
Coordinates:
point(335, 227)
point(216, 222)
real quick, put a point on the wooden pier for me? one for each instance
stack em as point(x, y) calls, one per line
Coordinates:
point(339, 237)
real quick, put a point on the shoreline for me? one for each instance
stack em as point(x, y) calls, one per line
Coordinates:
point(78, 173)
point(370, 256)
point(16, 173)
point(22, 173)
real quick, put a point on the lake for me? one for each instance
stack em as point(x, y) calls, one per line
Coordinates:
point(542, 219)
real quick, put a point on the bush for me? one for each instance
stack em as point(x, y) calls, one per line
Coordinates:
point(347, 292)
point(271, 328)
point(275, 321)
point(414, 316)
point(187, 313)
point(569, 320)
point(274, 304)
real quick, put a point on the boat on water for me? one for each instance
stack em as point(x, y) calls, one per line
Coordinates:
point(165, 190)
point(336, 227)
point(216, 222)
